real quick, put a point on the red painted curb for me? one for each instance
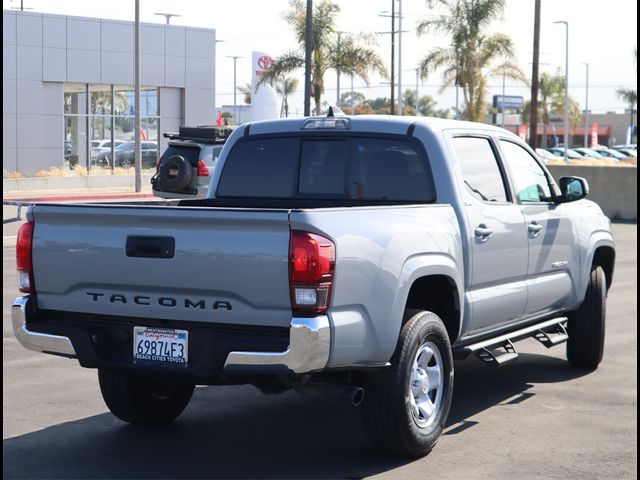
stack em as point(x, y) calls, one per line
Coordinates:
point(67, 198)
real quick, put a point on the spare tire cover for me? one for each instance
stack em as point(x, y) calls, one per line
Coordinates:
point(175, 174)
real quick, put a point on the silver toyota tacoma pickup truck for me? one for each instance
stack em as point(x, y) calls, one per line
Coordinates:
point(355, 255)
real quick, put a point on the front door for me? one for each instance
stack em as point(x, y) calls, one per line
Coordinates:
point(553, 248)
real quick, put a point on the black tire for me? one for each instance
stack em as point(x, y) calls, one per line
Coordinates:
point(126, 162)
point(387, 412)
point(586, 326)
point(143, 402)
point(175, 174)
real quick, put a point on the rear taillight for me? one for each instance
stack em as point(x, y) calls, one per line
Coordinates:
point(312, 261)
point(23, 258)
point(203, 170)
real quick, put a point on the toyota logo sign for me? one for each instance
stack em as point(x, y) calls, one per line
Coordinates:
point(265, 62)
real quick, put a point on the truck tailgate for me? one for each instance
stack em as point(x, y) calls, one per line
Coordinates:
point(225, 265)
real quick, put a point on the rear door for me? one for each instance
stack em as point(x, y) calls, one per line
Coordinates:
point(496, 293)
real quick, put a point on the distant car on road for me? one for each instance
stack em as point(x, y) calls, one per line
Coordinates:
point(124, 154)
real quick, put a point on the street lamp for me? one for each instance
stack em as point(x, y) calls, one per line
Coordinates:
point(586, 110)
point(235, 111)
point(167, 15)
point(566, 89)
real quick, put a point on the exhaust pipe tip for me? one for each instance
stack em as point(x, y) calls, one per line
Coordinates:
point(358, 396)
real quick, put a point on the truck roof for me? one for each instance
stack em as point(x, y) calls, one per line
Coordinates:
point(373, 123)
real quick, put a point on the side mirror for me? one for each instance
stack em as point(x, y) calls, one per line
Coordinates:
point(572, 189)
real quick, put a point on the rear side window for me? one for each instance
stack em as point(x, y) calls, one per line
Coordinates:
point(480, 172)
point(337, 168)
point(189, 153)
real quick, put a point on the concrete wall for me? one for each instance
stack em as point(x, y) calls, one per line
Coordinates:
point(615, 189)
point(41, 52)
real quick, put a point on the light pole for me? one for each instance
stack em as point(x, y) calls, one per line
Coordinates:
point(167, 15)
point(566, 89)
point(235, 112)
point(137, 144)
point(586, 110)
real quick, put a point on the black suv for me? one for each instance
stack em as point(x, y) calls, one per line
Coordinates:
point(184, 169)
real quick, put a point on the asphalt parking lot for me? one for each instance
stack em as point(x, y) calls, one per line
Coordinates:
point(535, 418)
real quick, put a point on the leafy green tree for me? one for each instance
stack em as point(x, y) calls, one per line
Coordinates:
point(350, 100)
point(469, 61)
point(346, 53)
point(426, 104)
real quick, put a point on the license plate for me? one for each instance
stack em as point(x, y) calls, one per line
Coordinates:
point(160, 345)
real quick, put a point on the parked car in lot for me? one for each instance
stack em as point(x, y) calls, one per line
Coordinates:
point(611, 154)
point(102, 146)
point(627, 152)
point(545, 155)
point(125, 155)
point(588, 152)
point(559, 152)
point(184, 169)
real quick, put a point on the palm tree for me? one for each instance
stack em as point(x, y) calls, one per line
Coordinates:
point(468, 61)
point(630, 97)
point(345, 53)
point(285, 88)
point(246, 91)
point(551, 104)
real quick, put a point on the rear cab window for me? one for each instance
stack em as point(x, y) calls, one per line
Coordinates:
point(356, 168)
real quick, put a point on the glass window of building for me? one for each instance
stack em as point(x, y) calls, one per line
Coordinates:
point(98, 118)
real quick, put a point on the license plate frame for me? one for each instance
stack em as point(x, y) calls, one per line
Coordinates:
point(160, 346)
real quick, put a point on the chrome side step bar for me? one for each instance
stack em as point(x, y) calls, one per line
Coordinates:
point(500, 350)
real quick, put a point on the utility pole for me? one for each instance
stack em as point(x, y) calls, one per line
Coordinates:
point(400, 106)
point(308, 48)
point(338, 69)
point(533, 122)
point(586, 110)
point(138, 124)
point(392, 105)
point(417, 93)
point(566, 89)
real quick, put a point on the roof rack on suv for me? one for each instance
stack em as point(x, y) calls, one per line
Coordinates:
point(201, 133)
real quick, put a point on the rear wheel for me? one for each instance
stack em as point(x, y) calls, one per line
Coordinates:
point(586, 327)
point(140, 401)
point(406, 405)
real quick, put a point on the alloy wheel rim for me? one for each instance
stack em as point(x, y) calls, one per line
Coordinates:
point(426, 384)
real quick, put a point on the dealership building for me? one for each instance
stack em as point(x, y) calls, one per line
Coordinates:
point(68, 86)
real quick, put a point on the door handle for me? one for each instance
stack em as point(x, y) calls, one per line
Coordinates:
point(534, 228)
point(482, 232)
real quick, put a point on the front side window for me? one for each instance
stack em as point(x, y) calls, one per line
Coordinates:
point(480, 171)
point(528, 177)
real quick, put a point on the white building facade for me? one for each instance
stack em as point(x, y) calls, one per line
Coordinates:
point(67, 86)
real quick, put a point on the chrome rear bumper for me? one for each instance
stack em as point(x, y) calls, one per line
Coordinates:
point(309, 349)
point(38, 342)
